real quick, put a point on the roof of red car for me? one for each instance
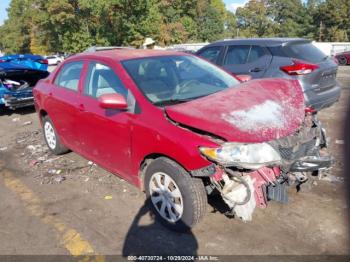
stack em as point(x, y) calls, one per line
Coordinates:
point(126, 54)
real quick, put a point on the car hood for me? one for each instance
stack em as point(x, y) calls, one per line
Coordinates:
point(255, 111)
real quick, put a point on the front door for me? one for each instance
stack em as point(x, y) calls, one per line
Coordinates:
point(105, 133)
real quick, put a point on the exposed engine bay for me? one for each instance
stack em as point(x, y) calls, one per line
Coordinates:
point(301, 154)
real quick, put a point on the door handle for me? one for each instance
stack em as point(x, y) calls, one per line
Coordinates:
point(81, 107)
point(255, 70)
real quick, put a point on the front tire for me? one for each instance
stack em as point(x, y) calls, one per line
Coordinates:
point(51, 138)
point(177, 199)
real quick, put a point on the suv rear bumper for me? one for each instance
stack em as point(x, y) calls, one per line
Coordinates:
point(320, 100)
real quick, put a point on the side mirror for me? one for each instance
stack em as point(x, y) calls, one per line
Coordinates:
point(244, 78)
point(112, 101)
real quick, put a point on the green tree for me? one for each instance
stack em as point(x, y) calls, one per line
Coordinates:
point(288, 17)
point(253, 20)
point(44, 26)
point(311, 9)
point(333, 20)
point(210, 21)
point(230, 25)
point(15, 33)
point(138, 19)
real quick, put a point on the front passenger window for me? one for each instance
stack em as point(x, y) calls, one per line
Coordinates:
point(237, 55)
point(256, 52)
point(69, 75)
point(101, 80)
point(211, 53)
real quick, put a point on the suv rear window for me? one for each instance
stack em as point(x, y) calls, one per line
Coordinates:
point(305, 51)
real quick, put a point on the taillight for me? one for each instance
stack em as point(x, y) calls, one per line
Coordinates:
point(2, 61)
point(299, 68)
point(310, 110)
point(43, 61)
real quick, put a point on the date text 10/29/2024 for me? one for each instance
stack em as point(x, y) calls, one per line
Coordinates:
point(173, 258)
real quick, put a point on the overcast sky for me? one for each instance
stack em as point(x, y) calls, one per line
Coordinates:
point(230, 5)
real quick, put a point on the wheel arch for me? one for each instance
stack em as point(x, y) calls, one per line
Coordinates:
point(42, 114)
point(192, 189)
point(148, 159)
point(343, 60)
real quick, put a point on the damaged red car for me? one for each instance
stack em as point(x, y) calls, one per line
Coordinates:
point(181, 128)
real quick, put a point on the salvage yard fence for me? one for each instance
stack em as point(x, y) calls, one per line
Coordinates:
point(333, 48)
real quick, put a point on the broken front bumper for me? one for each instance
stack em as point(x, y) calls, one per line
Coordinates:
point(312, 163)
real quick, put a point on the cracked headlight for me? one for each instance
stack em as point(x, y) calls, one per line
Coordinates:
point(250, 156)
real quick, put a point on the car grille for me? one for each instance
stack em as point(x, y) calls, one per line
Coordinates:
point(294, 153)
point(286, 153)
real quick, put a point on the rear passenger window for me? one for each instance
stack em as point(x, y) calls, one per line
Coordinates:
point(69, 75)
point(211, 53)
point(255, 53)
point(237, 54)
point(101, 80)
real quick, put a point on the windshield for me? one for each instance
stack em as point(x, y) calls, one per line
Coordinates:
point(174, 79)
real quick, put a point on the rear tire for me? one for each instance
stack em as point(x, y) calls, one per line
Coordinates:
point(51, 138)
point(178, 200)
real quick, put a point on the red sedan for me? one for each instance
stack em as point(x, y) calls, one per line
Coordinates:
point(181, 128)
point(343, 58)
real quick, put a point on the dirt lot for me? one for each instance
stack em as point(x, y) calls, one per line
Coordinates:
point(67, 205)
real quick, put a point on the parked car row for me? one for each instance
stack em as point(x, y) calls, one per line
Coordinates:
point(181, 128)
point(54, 59)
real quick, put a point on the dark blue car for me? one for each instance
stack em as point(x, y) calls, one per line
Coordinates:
point(18, 76)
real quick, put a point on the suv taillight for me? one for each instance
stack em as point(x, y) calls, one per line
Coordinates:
point(299, 68)
point(43, 61)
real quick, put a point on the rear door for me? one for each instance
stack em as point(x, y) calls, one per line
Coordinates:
point(247, 59)
point(62, 101)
